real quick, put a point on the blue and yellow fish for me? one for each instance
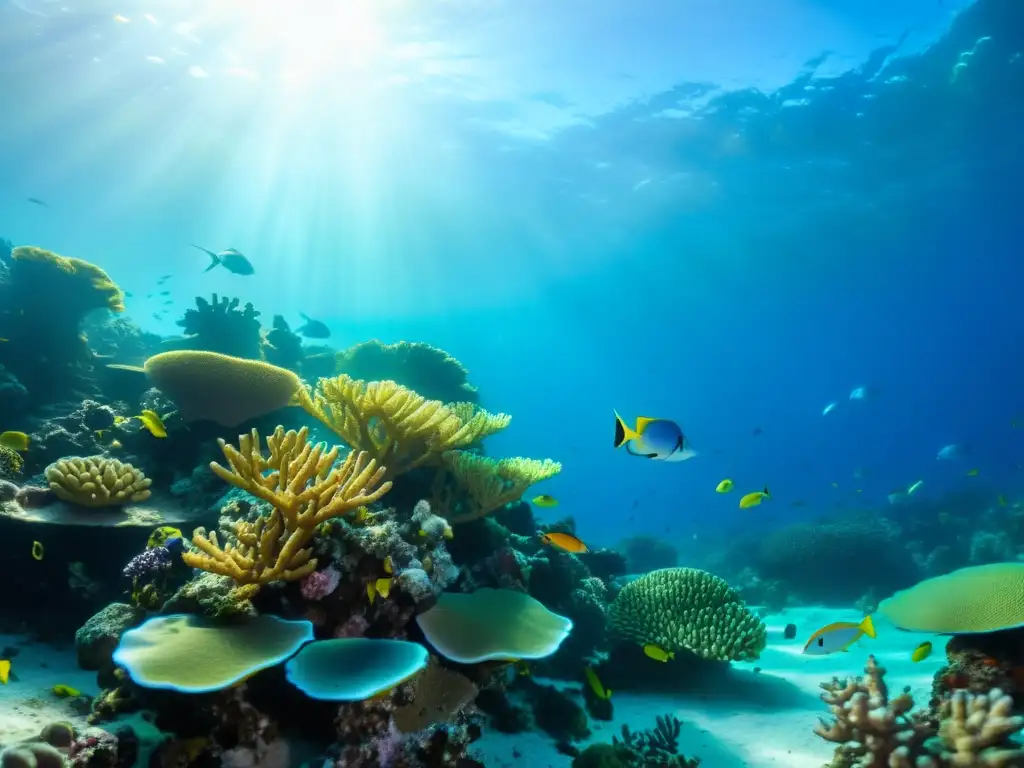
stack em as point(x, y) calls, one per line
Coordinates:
point(659, 439)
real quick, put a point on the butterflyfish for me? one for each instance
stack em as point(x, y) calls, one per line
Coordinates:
point(16, 441)
point(383, 587)
point(656, 652)
point(838, 637)
point(724, 487)
point(755, 498)
point(595, 684)
point(564, 541)
point(5, 671)
point(659, 439)
point(544, 500)
point(922, 652)
point(151, 420)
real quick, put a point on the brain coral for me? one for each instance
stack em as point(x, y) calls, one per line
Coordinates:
point(688, 609)
point(96, 481)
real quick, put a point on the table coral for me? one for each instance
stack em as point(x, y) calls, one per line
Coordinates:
point(305, 486)
point(874, 730)
point(421, 367)
point(488, 484)
point(96, 481)
point(688, 609)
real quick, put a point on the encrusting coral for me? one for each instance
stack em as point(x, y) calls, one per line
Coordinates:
point(97, 481)
point(305, 486)
point(876, 731)
point(688, 609)
point(401, 429)
point(489, 484)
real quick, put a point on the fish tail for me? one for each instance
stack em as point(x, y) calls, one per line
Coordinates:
point(213, 256)
point(623, 434)
point(868, 626)
point(304, 316)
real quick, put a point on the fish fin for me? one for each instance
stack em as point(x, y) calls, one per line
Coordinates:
point(642, 422)
point(631, 452)
point(767, 493)
point(623, 434)
point(211, 254)
point(304, 316)
point(868, 626)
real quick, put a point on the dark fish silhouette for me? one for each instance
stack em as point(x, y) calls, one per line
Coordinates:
point(37, 201)
point(232, 260)
point(312, 329)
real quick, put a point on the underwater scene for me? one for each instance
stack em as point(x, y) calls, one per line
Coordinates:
point(479, 383)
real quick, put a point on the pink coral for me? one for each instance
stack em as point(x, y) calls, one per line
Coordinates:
point(319, 584)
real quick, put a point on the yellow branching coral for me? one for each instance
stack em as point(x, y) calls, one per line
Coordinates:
point(96, 481)
point(306, 487)
point(399, 428)
point(491, 483)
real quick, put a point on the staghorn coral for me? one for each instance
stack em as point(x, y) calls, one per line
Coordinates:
point(220, 326)
point(658, 746)
point(305, 487)
point(688, 609)
point(488, 484)
point(401, 429)
point(96, 481)
point(874, 730)
point(421, 367)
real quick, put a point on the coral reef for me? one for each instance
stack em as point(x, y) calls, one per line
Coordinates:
point(483, 484)
point(220, 326)
point(96, 481)
point(96, 640)
point(654, 748)
point(422, 368)
point(648, 553)
point(874, 729)
point(685, 609)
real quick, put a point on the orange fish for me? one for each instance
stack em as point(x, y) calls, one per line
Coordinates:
point(564, 541)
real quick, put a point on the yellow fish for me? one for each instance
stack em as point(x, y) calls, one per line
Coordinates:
point(383, 587)
point(595, 684)
point(922, 652)
point(389, 566)
point(371, 592)
point(16, 441)
point(755, 498)
point(838, 637)
point(564, 541)
point(151, 420)
point(115, 445)
point(724, 487)
point(65, 692)
point(121, 419)
point(656, 652)
point(545, 501)
point(37, 550)
point(5, 670)
point(972, 472)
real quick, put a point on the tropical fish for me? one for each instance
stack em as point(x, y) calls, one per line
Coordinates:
point(789, 632)
point(1001, 500)
point(37, 201)
point(922, 652)
point(371, 592)
point(914, 487)
point(312, 329)
point(860, 393)
point(755, 498)
point(563, 541)
point(232, 260)
point(62, 691)
point(383, 587)
point(660, 439)
point(37, 550)
point(16, 441)
point(656, 652)
point(389, 566)
point(5, 671)
point(544, 500)
point(151, 420)
point(838, 637)
point(973, 472)
point(724, 487)
point(595, 684)
point(829, 408)
point(950, 451)
point(121, 419)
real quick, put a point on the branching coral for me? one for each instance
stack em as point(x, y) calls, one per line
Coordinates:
point(306, 488)
point(874, 730)
point(220, 326)
point(428, 370)
point(489, 484)
point(398, 427)
point(658, 746)
point(97, 481)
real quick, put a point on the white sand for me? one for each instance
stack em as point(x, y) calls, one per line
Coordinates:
point(756, 719)
point(28, 703)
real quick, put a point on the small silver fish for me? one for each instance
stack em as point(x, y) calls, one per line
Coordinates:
point(232, 260)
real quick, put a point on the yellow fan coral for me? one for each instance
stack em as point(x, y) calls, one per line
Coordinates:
point(688, 609)
point(305, 486)
point(489, 484)
point(395, 425)
point(96, 481)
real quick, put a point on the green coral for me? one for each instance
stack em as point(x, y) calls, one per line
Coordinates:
point(10, 463)
point(686, 609)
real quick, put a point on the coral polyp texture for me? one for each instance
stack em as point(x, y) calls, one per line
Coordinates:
point(192, 655)
point(686, 609)
point(306, 486)
point(398, 427)
point(219, 388)
point(354, 668)
point(97, 481)
point(470, 627)
point(483, 484)
point(873, 729)
point(982, 598)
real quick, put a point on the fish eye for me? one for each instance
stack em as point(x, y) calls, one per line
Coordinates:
point(821, 642)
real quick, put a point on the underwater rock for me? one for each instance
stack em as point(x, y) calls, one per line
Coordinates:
point(96, 640)
point(210, 595)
